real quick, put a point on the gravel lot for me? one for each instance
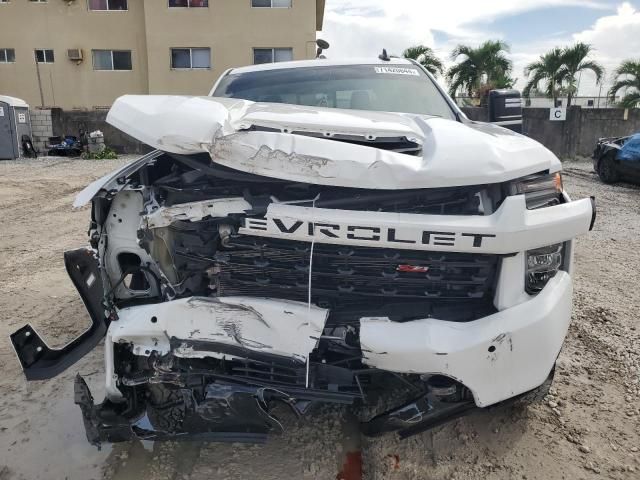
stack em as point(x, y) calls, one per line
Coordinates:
point(589, 428)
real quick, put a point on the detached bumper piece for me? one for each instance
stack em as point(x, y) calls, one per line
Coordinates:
point(38, 360)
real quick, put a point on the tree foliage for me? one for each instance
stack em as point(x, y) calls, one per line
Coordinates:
point(575, 59)
point(479, 69)
point(426, 57)
point(545, 70)
point(627, 77)
point(558, 70)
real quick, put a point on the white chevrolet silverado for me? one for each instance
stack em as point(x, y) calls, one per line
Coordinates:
point(317, 232)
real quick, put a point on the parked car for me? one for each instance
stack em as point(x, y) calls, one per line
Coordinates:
point(618, 158)
point(317, 232)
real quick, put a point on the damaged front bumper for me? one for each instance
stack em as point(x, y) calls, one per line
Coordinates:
point(227, 413)
point(457, 367)
point(213, 368)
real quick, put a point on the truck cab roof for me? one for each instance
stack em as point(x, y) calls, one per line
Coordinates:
point(321, 62)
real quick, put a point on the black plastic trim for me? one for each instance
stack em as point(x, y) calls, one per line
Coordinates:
point(41, 362)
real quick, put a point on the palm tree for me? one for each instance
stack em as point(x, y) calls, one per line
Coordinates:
point(545, 69)
point(630, 69)
point(426, 57)
point(574, 60)
point(481, 67)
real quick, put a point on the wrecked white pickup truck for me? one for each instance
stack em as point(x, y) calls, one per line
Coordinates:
point(316, 232)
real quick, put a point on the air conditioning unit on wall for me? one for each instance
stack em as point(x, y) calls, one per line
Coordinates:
point(75, 55)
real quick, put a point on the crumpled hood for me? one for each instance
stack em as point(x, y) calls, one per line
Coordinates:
point(256, 138)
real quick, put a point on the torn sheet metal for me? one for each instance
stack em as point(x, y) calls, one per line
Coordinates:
point(110, 180)
point(226, 412)
point(497, 357)
point(273, 327)
point(453, 153)
point(195, 211)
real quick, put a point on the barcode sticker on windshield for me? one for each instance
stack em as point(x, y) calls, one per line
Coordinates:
point(398, 71)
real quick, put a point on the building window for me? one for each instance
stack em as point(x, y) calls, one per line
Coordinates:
point(271, 3)
point(271, 55)
point(112, 60)
point(44, 56)
point(108, 5)
point(7, 55)
point(188, 3)
point(190, 58)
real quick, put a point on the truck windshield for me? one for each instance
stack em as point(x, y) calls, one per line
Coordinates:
point(382, 88)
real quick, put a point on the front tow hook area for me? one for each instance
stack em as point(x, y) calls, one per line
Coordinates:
point(438, 405)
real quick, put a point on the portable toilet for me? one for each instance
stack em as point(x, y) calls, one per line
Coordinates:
point(14, 123)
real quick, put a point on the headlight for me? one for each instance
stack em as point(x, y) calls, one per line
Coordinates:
point(542, 265)
point(539, 190)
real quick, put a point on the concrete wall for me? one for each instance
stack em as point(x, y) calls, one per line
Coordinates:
point(577, 135)
point(536, 124)
point(477, 114)
point(71, 122)
point(604, 122)
point(149, 29)
point(41, 129)
point(574, 137)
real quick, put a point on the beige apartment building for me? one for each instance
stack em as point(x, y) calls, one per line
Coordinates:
point(83, 54)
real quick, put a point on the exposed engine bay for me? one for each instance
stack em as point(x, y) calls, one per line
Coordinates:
point(280, 318)
point(250, 319)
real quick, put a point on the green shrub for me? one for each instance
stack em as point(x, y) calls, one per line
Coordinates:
point(106, 154)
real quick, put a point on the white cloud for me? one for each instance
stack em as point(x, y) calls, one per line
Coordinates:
point(615, 38)
point(360, 28)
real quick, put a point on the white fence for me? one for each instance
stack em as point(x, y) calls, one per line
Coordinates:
point(545, 102)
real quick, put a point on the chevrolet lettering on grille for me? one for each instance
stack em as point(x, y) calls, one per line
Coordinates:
point(408, 238)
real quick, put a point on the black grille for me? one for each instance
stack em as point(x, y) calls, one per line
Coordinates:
point(224, 182)
point(433, 201)
point(348, 275)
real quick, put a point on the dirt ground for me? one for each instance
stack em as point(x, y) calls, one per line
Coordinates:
point(589, 428)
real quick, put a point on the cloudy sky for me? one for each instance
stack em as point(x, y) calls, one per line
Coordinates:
point(361, 28)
